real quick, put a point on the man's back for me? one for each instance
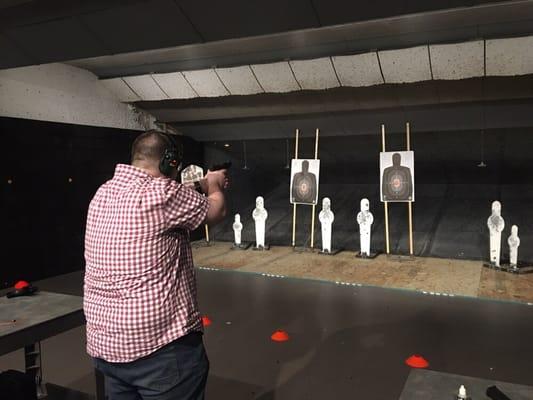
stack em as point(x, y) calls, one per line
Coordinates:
point(139, 283)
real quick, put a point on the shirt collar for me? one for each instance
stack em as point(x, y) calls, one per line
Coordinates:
point(129, 171)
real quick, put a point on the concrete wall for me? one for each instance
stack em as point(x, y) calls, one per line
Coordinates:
point(63, 93)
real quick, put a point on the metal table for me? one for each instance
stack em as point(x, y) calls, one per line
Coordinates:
point(25, 321)
point(426, 384)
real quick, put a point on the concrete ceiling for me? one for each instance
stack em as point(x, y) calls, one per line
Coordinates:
point(341, 99)
point(498, 20)
point(37, 32)
point(428, 118)
point(496, 57)
point(240, 69)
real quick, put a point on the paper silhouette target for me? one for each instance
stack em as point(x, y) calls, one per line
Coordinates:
point(397, 175)
point(304, 181)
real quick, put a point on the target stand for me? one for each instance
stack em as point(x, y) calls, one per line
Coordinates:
point(333, 252)
point(397, 180)
point(242, 246)
point(519, 269)
point(366, 257)
point(303, 189)
point(261, 248)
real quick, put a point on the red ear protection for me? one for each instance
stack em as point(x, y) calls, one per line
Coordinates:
point(21, 285)
point(22, 288)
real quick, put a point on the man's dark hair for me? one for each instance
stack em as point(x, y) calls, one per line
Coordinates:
point(150, 146)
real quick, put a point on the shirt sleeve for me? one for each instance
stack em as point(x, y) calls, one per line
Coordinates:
point(185, 208)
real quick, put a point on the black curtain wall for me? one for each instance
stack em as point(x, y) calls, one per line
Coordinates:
point(49, 173)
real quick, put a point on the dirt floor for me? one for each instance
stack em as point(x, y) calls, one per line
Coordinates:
point(439, 276)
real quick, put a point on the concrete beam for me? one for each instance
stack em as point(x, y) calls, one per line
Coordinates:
point(63, 93)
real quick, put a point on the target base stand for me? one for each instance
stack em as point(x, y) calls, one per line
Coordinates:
point(365, 256)
point(261, 248)
point(519, 269)
point(333, 252)
point(242, 246)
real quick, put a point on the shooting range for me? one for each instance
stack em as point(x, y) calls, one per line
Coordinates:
point(378, 237)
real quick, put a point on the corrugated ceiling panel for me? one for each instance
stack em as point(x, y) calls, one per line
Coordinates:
point(206, 83)
point(145, 87)
point(358, 70)
point(239, 80)
point(315, 74)
point(458, 60)
point(405, 65)
point(512, 56)
point(276, 77)
point(175, 85)
point(120, 89)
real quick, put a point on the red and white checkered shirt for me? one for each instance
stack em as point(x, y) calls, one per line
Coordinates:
point(140, 286)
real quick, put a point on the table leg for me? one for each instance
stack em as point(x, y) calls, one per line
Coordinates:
point(100, 385)
point(32, 361)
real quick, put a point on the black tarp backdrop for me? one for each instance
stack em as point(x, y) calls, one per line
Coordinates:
point(42, 212)
point(453, 194)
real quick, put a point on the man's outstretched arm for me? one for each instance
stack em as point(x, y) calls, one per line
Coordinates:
point(214, 185)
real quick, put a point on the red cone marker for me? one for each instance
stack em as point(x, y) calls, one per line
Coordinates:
point(417, 361)
point(206, 321)
point(280, 336)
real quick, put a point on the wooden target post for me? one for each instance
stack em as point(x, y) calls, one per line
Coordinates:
point(386, 203)
point(294, 205)
point(409, 203)
point(317, 133)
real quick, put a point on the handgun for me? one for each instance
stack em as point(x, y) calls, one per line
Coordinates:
point(218, 167)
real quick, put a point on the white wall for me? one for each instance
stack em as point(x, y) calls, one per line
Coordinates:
point(63, 93)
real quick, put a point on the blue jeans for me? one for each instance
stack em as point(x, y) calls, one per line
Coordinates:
point(177, 371)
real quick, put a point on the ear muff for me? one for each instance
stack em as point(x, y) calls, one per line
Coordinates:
point(169, 162)
point(172, 157)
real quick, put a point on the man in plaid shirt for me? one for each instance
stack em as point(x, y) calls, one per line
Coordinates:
point(144, 330)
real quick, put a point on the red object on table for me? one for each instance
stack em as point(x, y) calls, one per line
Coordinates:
point(280, 336)
point(417, 361)
point(21, 285)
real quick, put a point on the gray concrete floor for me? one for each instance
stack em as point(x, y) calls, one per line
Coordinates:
point(346, 341)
